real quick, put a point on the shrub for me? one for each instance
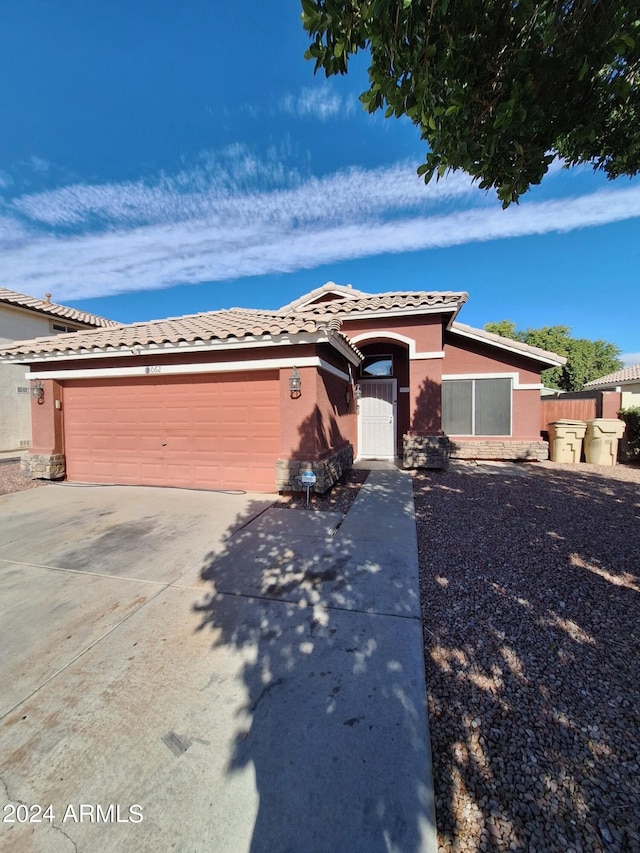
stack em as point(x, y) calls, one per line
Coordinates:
point(631, 417)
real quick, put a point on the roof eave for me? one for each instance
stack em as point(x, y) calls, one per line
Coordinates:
point(413, 311)
point(542, 356)
point(324, 335)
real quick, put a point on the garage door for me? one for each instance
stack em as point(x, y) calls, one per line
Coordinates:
point(205, 431)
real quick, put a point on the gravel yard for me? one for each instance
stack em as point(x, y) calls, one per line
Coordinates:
point(531, 610)
point(13, 480)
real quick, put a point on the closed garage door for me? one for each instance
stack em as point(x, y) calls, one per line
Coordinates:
point(205, 431)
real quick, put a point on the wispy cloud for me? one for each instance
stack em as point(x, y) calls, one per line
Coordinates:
point(233, 215)
point(630, 358)
point(319, 102)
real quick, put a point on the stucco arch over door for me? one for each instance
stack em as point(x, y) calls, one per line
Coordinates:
point(383, 390)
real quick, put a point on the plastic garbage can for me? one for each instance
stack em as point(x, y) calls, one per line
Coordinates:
point(565, 439)
point(601, 440)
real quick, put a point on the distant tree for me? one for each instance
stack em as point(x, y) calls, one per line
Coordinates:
point(496, 87)
point(586, 359)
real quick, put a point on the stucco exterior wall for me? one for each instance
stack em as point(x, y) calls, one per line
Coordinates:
point(419, 354)
point(17, 324)
point(468, 358)
point(426, 331)
point(15, 406)
point(318, 428)
point(319, 421)
point(630, 396)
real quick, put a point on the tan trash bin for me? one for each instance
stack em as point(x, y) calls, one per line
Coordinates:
point(565, 439)
point(601, 440)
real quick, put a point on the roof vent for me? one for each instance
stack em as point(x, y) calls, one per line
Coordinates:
point(47, 298)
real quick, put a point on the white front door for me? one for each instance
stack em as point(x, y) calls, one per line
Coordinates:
point(377, 419)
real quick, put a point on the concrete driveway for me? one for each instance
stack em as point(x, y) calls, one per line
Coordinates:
point(197, 671)
point(105, 678)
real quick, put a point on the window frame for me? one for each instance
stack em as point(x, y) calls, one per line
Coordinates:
point(507, 377)
point(59, 328)
point(377, 357)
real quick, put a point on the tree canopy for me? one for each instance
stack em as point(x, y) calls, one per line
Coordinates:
point(586, 359)
point(497, 88)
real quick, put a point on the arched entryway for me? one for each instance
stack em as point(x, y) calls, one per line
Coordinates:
point(383, 405)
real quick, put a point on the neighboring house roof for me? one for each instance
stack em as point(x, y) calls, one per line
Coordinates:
point(619, 377)
point(234, 324)
point(543, 355)
point(50, 309)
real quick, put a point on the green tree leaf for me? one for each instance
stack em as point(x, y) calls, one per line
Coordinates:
point(560, 79)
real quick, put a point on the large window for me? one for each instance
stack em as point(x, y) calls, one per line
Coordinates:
point(476, 406)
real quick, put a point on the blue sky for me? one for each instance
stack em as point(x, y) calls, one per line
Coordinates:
point(160, 159)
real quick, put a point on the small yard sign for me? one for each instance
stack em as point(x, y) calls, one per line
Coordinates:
point(308, 480)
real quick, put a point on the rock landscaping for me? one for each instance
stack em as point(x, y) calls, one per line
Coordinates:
point(530, 589)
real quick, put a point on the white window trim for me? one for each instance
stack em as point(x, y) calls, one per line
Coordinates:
point(517, 385)
point(414, 355)
point(473, 376)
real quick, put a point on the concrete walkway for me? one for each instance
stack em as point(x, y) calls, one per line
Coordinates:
point(339, 734)
point(250, 678)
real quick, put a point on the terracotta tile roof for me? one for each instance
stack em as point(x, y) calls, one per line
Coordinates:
point(393, 301)
point(507, 343)
point(619, 377)
point(211, 326)
point(328, 289)
point(51, 309)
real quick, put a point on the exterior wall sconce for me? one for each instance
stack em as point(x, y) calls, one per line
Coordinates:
point(295, 384)
point(358, 392)
point(37, 391)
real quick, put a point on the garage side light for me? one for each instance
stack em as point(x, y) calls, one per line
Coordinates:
point(295, 384)
point(37, 391)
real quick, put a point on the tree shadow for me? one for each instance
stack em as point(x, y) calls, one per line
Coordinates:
point(531, 608)
point(322, 614)
point(427, 412)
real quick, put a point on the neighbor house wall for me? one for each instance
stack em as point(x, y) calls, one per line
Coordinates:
point(18, 324)
point(15, 408)
point(630, 396)
point(15, 405)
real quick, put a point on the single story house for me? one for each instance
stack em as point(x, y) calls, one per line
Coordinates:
point(247, 399)
point(626, 381)
point(21, 317)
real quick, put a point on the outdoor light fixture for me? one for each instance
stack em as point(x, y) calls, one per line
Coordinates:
point(358, 392)
point(37, 391)
point(295, 384)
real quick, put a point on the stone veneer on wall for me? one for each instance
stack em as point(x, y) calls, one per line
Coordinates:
point(516, 450)
point(425, 451)
point(328, 471)
point(432, 451)
point(44, 466)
